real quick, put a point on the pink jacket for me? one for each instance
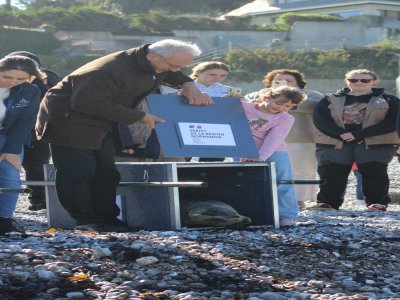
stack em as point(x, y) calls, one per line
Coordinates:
point(269, 130)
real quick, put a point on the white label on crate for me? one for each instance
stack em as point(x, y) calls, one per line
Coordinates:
point(206, 134)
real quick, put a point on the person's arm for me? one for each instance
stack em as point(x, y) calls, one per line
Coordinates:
point(324, 122)
point(385, 126)
point(275, 137)
point(177, 79)
point(194, 96)
point(188, 89)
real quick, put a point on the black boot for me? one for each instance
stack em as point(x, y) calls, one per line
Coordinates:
point(37, 198)
point(8, 225)
point(35, 206)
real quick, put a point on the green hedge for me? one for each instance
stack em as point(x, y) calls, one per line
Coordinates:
point(290, 18)
point(94, 19)
point(152, 22)
point(253, 65)
point(44, 44)
point(39, 42)
point(65, 65)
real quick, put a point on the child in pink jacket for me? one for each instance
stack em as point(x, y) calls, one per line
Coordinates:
point(270, 123)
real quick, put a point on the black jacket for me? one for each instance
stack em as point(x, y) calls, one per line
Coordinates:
point(87, 104)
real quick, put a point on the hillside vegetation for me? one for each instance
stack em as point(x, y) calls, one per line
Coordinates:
point(33, 29)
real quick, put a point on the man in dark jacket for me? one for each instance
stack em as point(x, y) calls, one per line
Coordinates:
point(79, 118)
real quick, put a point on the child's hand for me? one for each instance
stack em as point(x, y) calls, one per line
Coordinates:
point(265, 94)
point(231, 95)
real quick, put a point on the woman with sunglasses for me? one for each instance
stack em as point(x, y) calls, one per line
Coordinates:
point(356, 124)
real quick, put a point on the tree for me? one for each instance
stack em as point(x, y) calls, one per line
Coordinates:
point(127, 7)
point(8, 5)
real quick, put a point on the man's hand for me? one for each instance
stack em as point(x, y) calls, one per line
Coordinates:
point(150, 120)
point(12, 159)
point(194, 96)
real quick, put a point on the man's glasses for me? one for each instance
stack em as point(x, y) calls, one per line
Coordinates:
point(171, 65)
point(357, 80)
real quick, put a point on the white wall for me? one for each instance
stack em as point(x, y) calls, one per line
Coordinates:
point(209, 39)
point(332, 35)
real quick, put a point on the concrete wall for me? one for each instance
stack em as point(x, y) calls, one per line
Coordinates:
point(332, 35)
point(82, 42)
point(210, 39)
point(122, 42)
point(207, 40)
point(357, 31)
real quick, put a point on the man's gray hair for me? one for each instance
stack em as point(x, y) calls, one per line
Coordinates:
point(169, 47)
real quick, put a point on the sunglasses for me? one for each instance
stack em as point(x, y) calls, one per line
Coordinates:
point(357, 80)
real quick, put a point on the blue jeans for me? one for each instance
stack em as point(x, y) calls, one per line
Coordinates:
point(359, 193)
point(9, 178)
point(287, 200)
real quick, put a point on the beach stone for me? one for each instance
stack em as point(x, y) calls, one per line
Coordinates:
point(148, 260)
point(345, 254)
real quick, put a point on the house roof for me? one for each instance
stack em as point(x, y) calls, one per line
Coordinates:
point(258, 7)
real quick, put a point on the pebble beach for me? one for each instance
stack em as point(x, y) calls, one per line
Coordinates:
point(345, 254)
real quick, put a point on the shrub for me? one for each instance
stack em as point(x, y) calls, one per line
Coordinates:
point(252, 65)
point(290, 18)
point(15, 39)
point(65, 65)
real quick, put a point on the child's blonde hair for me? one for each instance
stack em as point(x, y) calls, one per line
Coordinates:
point(208, 65)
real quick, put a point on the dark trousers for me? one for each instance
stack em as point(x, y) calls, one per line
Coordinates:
point(334, 189)
point(334, 167)
point(35, 157)
point(86, 181)
point(375, 183)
